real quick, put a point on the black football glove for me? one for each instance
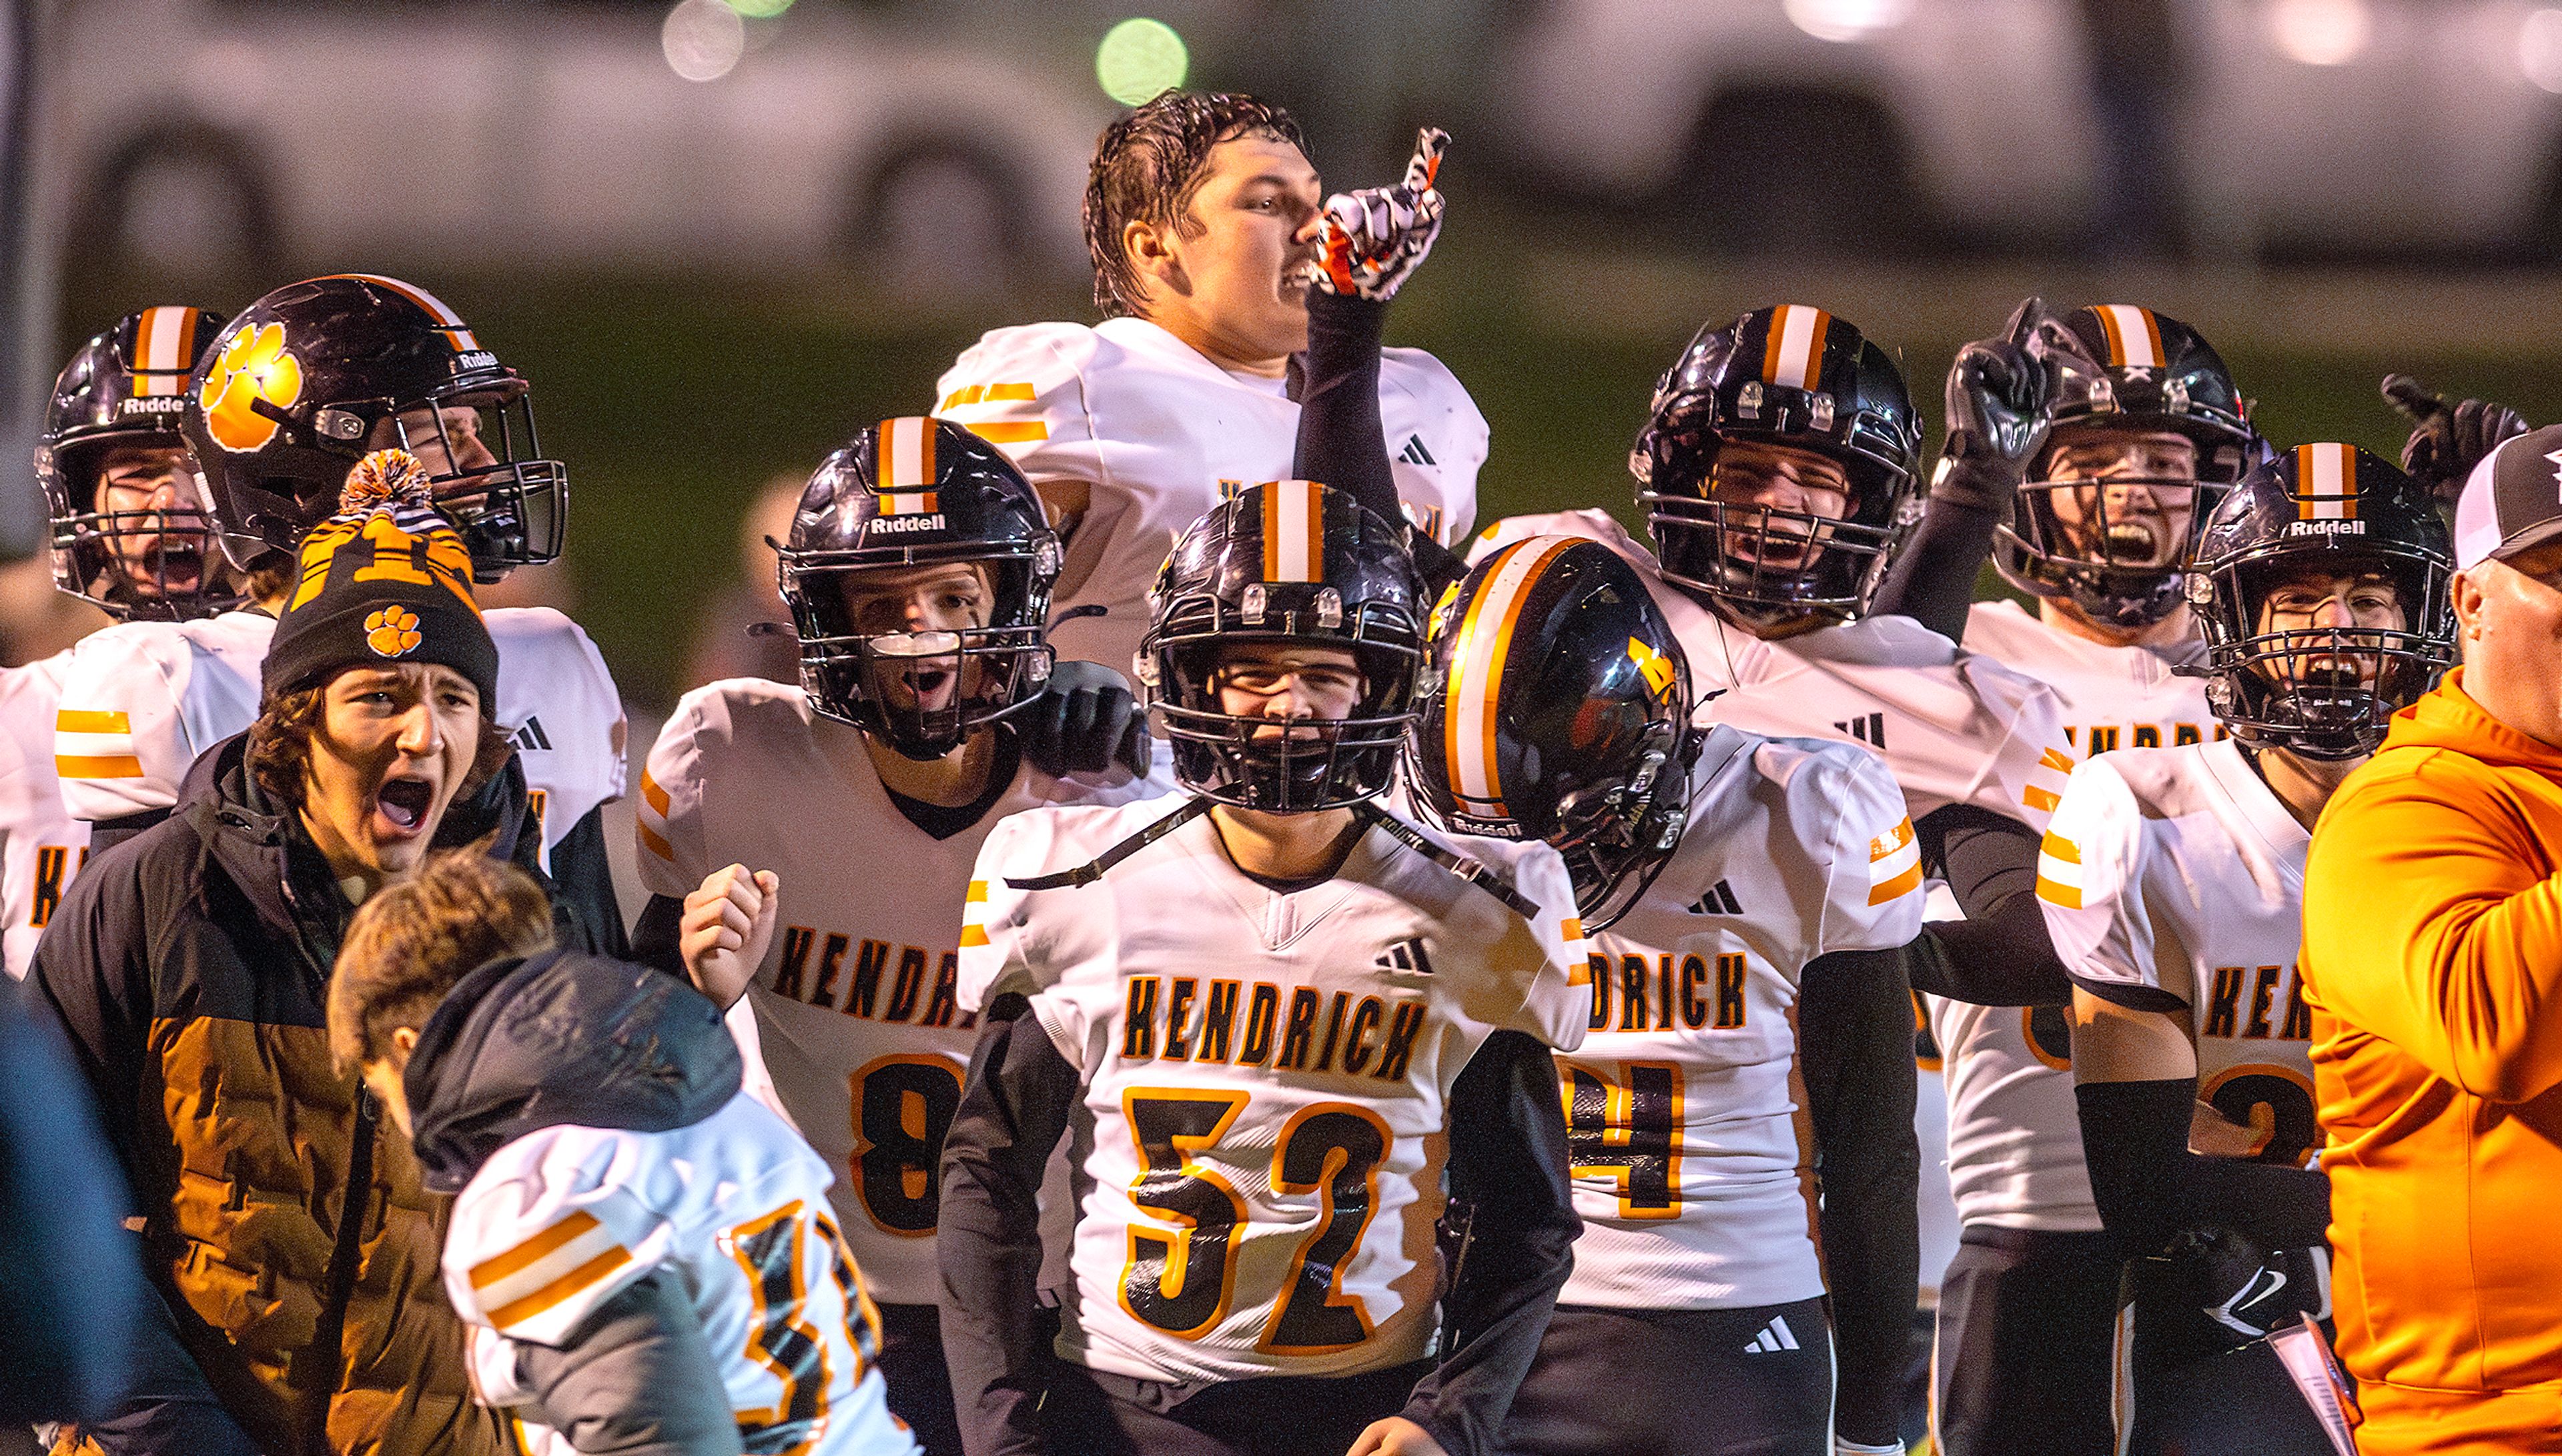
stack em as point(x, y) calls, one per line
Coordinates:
point(2250, 1290)
point(1084, 722)
point(2447, 440)
point(1998, 420)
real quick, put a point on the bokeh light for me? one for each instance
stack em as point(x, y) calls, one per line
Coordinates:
point(2321, 32)
point(2539, 49)
point(703, 38)
point(1139, 59)
point(760, 9)
point(1846, 20)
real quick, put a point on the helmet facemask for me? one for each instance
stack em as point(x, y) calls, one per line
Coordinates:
point(2114, 544)
point(922, 688)
point(2321, 692)
point(1761, 564)
point(1258, 762)
point(1615, 836)
point(146, 564)
point(487, 474)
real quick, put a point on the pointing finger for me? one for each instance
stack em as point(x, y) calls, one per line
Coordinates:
point(1429, 145)
point(2414, 399)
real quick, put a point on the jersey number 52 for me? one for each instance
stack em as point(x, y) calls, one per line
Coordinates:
point(1183, 1281)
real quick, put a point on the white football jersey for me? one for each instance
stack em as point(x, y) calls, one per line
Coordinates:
point(2173, 881)
point(2111, 698)
point(144, 699)
point(1953, 727)
point(1159, 435)
point(560, 1221)
point(857, 1018)
point(2014, 1129)
point(41, 846)
point(1683, 1111)
point(1261, 1133)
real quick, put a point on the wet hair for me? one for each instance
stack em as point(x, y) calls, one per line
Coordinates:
point(1147, 166)
point(415, 939)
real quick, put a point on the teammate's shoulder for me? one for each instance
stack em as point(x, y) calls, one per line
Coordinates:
point(2001, 624)
point(1819, 763)
point(112, 648)
point(1051, 836)
point(1015, 346)
point(1419, 373)
point(1516, 875)
point(2157, 783)
point(1887, 641)
point(1591, 523)
point(536, 628)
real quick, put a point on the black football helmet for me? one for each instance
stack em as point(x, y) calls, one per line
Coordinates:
point(129, 386)
point(1287, 561)
point(2119, 366)
point(289, 398)
point(1558, 709)
point(1790, 375)
point(906, 494)
point(2323, 692)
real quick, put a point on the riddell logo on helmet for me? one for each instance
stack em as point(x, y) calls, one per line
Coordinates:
point(902, 524)
point(153, 405)
point(2326, 528)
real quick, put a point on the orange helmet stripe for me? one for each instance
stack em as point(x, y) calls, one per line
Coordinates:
point(2326, 482)
point(1469, 714)
point(1294, 531)
point(1793, 355)
point(2135, 336)
point(164, 349)
point(447, 322)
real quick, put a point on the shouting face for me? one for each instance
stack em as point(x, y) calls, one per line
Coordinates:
point(394, 744)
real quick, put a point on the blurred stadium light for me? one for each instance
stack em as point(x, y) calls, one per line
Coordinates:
point(1139, 59)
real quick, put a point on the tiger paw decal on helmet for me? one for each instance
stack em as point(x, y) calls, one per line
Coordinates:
point(393, 631)
point(253, 366)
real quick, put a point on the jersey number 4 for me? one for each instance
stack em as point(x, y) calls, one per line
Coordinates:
point(1624, 1127)
point(1182, 1282)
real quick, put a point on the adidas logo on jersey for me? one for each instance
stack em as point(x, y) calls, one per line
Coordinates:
point(1414, 454)
point(531, 737)
point(1408, 956)
point(1774, 1336)
point(1720, 900)
point(1870, 730)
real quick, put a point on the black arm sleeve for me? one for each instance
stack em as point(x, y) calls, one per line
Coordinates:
point(2149, 1186)
point(1932, 580)
point(654, 936)
point(1343, 441)
point(1855, 1052)
point(1508, 1165)
point(2000, 955)
point(1014, 1109)
point(636, 1378)
point(584, 878)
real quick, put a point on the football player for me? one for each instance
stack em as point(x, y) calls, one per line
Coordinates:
point(1277, 1018)
point(2140, 431)
point(1205, 223)
point(918, 568)
point(2172, 879)
point(1728, 879)
point(127, 535)
point(1778, 472)
point(280, 406)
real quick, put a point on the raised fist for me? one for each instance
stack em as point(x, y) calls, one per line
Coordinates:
point(1368, 241)
point(727, 925)
point(2447, 441)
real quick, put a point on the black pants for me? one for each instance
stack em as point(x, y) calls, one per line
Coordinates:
point(920, 1385)
point(1098, 1413)
point(1678, 1382)
point(2027, 1324)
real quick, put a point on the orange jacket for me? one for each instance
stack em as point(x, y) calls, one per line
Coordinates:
point(2433, 958)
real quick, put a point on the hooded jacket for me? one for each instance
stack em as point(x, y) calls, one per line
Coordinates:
point(2433, 963)
point(561, 1039)
point(188, 968)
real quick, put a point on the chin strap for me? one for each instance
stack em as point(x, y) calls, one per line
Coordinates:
point(1088, 873)
point(1458, 864)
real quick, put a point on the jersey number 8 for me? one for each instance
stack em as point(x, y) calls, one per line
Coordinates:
point(903, 1105)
